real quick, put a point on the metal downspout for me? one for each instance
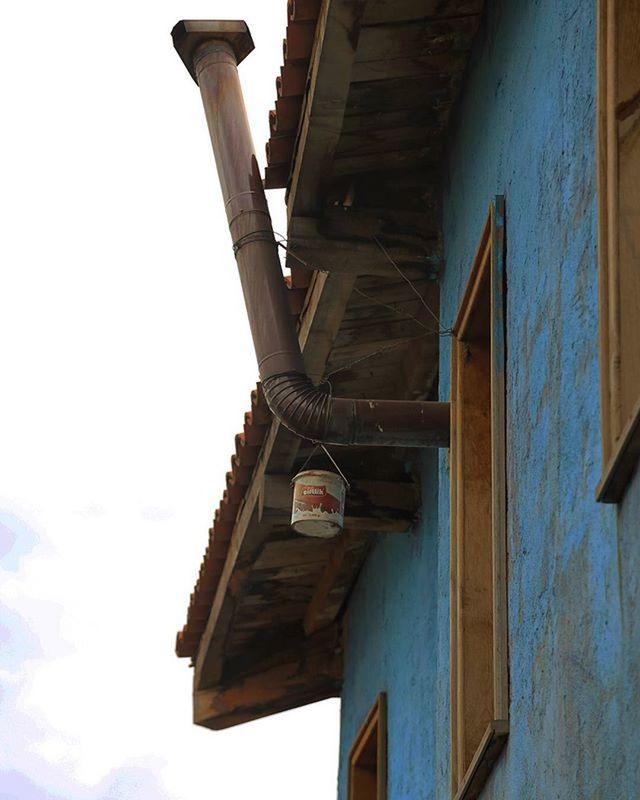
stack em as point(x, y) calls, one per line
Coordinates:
point(211, 52)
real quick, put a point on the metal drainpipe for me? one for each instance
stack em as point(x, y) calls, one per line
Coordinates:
point(211, 52)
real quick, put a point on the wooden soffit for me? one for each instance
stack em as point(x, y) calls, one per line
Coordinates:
point(363, 198)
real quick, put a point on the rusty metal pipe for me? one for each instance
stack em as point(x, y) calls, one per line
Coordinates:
point(211, 51)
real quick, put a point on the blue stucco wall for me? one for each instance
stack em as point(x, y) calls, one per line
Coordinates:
point(525, 128)
point(392, 642)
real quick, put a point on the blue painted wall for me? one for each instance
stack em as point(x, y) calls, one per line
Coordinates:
point(525, 128)
point(391, 633)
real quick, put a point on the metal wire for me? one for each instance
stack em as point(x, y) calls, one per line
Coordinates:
point(441, 330)
point(254, 236)
point(379, 352)
point(331, 459)
point(444, 331)
point(402, 314)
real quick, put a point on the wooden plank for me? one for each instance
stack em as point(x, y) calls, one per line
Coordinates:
point(431, 119)
point(420, 361)
point(429, 36)
point(479, 637)
point(499, 462)
point(381, 11)
point(623, 462)
point(404, 227)
point(329, 296)
point(362, 333)
point(347, 556)
point(603, 161)
point(452, 64)
point(285, 645)
point(301, 550)
point(337, 34)
point(367, 776)
point(388, 224)
point(400, 94)
point(487, 754)
point(373, 142)
point(619, 222)
point(307, 679)
point(627, 120)
point(406, 190)
point(409, 158)
point(354, 256)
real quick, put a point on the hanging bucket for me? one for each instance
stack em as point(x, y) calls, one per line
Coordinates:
point(318, 503)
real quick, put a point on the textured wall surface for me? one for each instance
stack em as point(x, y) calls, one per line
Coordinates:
point(525, 128)
point(391, 632)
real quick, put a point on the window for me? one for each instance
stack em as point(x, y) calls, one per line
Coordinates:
point(619, 241)
point(479, 663)
point(368, 756)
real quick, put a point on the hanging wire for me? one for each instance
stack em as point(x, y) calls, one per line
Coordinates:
point(379, 352)
point(317, 446)
point(444, 331)
point(309, 457)
point(402, 314)
point(333, 461)
point(282, 242)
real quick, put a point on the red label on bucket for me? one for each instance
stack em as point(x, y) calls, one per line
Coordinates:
point(318, 491)
point(315, 498)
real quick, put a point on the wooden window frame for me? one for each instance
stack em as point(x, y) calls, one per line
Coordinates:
point(374, 724)
point(489, 264)
point(620, 434)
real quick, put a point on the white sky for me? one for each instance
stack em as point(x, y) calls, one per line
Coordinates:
point(127, 367)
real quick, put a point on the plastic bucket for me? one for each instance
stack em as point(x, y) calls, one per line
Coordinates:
point(318, 503)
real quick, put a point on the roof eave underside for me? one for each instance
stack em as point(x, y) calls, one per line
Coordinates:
point(272, 637)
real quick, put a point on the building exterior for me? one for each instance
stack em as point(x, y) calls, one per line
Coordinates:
point(476, 162)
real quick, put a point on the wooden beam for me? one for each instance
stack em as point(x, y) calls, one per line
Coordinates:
point(381, 11)
point(353, 255)
point(286, 645)
point(409, 67)
point(486, 755)
point(412, 229)
point(623, 462)
point(399, 40)
point(337, 34)
point(312, 672)
point(280, 689)
point(329, 295)
point(348, 555)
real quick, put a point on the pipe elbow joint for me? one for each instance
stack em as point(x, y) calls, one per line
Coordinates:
point(312, 413)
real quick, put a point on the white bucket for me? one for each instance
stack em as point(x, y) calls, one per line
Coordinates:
point(318, 503)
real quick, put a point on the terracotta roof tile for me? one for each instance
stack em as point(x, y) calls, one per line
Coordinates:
point(248, 444)
point(290, 89)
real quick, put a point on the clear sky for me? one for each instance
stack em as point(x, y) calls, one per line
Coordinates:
point(127, 367)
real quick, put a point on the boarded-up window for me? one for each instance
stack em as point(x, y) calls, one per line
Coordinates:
point(368, 756)
point(479, 664)
point(619, 240)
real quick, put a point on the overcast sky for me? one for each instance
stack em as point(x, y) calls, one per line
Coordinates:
point(127, 368)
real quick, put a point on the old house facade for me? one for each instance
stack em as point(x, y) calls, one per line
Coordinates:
point(464, 236)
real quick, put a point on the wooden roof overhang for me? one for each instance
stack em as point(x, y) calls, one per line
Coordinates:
point(363, 193)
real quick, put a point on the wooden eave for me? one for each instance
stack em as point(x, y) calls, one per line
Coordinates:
point(384, 75)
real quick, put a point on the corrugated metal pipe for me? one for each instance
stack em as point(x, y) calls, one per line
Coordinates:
point(211, 52)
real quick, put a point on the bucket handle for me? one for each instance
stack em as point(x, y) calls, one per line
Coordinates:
point(331, 459)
